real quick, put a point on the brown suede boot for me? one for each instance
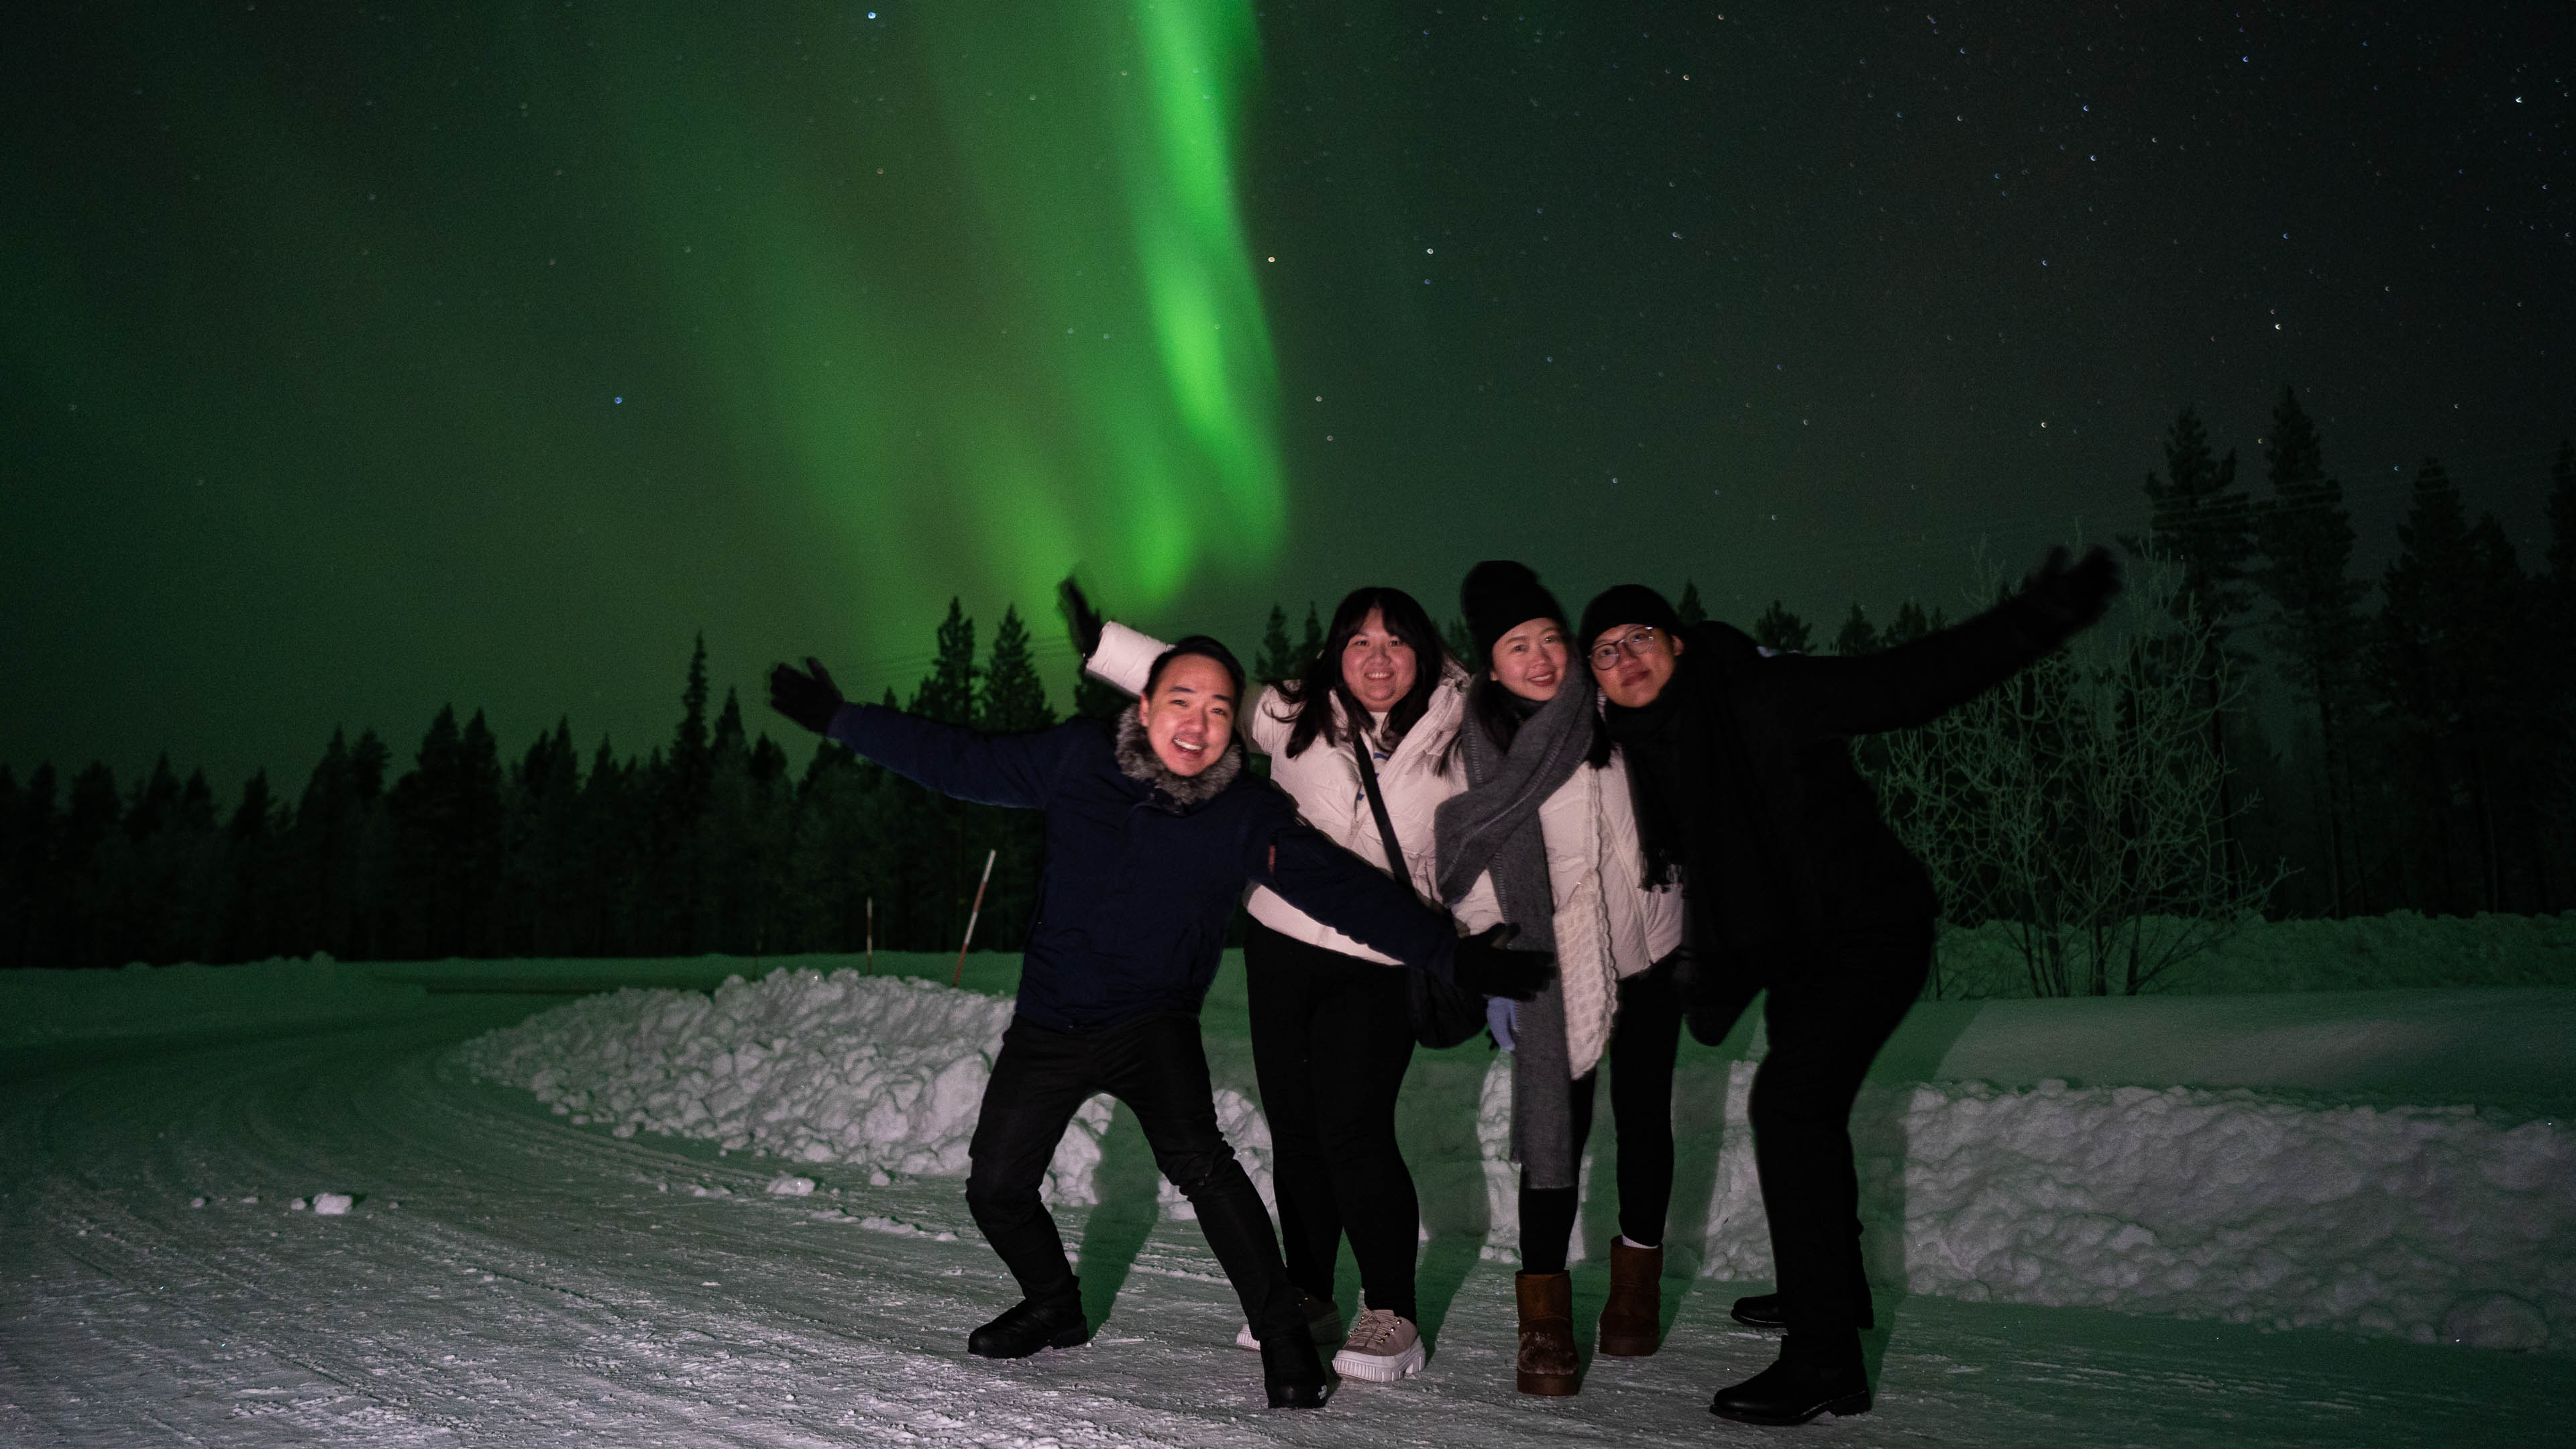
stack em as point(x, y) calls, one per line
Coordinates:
point(1547, 1364)
point(1632, 1319)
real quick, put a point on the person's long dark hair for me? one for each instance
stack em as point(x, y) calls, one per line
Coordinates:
point(1307, 694)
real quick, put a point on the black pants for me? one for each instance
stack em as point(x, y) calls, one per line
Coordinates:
point(1825, 1029)
point(1644, 1038)
point(1157, 1066)
point(1331, 1038)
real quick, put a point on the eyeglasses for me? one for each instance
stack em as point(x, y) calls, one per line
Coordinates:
point(1636, 645)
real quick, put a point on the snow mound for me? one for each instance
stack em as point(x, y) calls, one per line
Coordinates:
point(2428, 1223)
point(2265, 1206)
point(872, 1072)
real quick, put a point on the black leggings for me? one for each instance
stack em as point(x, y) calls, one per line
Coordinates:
point(1644, 1038)
point(1331, 1038)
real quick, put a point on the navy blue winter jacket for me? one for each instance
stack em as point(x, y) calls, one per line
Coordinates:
point(1139, 885)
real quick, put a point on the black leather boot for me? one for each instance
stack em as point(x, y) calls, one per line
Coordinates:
point(1033, 1324)
point(1809, 1379)
point(1291, 1370)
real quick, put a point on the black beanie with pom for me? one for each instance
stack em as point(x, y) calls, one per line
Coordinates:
point(1498, 597)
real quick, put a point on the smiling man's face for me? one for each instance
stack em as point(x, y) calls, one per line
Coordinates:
point(1189, 714)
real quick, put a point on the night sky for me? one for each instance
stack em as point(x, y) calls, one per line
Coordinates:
point(355, 360)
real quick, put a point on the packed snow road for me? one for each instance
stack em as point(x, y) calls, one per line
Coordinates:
point(506, 1277)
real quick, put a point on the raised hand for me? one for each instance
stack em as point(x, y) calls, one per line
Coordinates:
point(1485, 968)
point(2071, 598)
point(1079, 617)
point(809, 699)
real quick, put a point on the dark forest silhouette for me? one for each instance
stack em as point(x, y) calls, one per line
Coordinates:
point(2431, 769)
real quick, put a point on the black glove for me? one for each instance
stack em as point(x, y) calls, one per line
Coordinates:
point(2067, 601)
point(809, 699)
point(1080, 617)
point(1484, 968)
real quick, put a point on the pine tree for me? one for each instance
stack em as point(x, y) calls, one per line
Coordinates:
point(2307, 538)
point(1277, 661)
point(1012, 699)
point(691, 752)
point(2202, 521)
point(1781, 631)
point(947, 693)
point(1857, 637)
point(152, 801)
point(1909, 625)
point(1312, 645)
point(1013, 702)
point(2442, 657)
point(1690, 608)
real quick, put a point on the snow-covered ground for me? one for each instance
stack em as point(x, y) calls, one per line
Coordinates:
point(766, 1246)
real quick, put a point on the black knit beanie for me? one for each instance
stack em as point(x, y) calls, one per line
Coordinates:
point(1624, 604)
point(1498, 597)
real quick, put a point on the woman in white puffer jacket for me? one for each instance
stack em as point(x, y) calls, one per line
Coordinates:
point(1332, 1022)
point(1533, 733)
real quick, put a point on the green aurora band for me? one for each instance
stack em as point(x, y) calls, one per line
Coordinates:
point(1018, 329)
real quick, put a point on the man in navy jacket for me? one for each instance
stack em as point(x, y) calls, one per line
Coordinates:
point(1153, 831)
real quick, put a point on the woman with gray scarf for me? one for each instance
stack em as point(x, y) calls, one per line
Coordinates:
point(1546, 833)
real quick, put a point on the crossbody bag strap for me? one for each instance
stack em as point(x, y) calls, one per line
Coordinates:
point(1377, 807)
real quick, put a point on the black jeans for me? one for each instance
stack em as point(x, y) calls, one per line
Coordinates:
point(1825, 1029)
point(1157, 1066)
point(1331, 1038)
point(1644, 1038)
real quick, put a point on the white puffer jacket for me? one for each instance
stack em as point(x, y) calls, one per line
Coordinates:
point(1324, 780)
point(1609, 925)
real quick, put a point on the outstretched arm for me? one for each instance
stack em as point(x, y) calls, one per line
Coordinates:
point(1917, 682)
point(1013, 770)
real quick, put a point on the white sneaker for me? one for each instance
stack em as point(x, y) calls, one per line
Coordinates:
point(1382, 1348)
point(1322, 1319)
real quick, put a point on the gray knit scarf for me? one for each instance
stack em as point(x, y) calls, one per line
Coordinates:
point(1494, 826)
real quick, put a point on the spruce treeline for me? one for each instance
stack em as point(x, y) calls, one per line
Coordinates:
point(2430, 765)
point(712, 841)
point(2431, 757)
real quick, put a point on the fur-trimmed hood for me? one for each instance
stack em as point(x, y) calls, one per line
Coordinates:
point(1138, 762)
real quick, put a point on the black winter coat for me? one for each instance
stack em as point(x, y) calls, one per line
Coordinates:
point(1785, 843)
point(1139, 885)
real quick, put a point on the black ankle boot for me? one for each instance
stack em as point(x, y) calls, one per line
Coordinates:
point(1030, 1325)
point(1793, 1391)
point(1291, 1371)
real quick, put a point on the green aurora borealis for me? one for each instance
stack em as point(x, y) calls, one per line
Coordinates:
point(353, 361)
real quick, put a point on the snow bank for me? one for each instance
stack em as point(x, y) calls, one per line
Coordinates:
point(874, 1072)
point(2263, 1206)
point(2433, 1224)
point(42, 1006)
